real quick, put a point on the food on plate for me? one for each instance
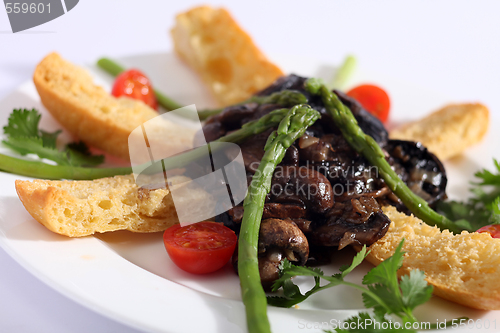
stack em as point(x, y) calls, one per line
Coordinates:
point(322, 170)
point(212, 43)
point(326, 155)
point(134, 84)
point(200, 248)
point(463, 268)
point(373, 98)
point(81, 208)
point(448, 131)
point(90, 113)
point(295, 134)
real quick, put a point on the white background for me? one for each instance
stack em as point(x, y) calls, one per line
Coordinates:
point(449, 46)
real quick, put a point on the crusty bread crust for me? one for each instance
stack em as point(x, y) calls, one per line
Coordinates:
point(463, 268)
point(212, 43)
point(90, 113)
point(81, 208)
point(448, 131)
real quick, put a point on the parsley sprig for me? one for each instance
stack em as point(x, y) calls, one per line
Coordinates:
point(381, 290)
point(483, 208)
point(24, 137)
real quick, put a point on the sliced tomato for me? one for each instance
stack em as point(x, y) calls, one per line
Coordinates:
point(135, 84)
point(374, 99)
point(492, 229)
point(200, 248)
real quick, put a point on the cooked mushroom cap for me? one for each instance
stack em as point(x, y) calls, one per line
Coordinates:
point(285, 236)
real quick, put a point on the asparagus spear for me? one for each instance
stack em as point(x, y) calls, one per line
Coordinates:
point(285, 98)
point(366, 146)
point(292, 127)
point(43, 170)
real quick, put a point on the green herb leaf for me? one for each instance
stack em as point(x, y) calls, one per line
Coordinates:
point(291, 292)
point(414, 289)
point(356, 261)
point(22, 123)
point(34, 145)
point(382, 299)
point(489, 178)
point(494, 207)
point(49, 139)
point(384, 273)
point(482, 208)
point(24, 137)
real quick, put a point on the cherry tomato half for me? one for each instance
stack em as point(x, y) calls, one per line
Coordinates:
point(200, 248)
point(135, 84)
point(492, 229)
point(374, 99)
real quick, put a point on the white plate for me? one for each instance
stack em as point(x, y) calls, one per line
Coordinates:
point(129, 277)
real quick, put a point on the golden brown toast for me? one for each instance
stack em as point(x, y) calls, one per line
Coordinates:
point(448, 131)
point(93, 115)
point(463, 268)
point(216, 47)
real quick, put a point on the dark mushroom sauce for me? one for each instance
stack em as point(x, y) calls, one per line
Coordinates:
point(323, 194)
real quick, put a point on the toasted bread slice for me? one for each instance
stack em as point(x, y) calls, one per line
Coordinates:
point(448, 131)
point(81, 208)
point(212, 43)
point(90, 113)
point(463, 268)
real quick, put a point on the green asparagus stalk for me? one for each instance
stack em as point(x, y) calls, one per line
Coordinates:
point(292, 127)
point(286, 98)
point(366, 146)
point(42, 170)
point(344, 73)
